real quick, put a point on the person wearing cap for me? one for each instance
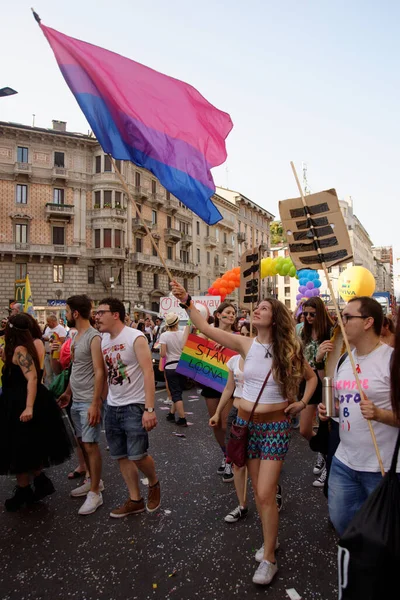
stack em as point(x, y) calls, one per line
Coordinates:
point(172, 342)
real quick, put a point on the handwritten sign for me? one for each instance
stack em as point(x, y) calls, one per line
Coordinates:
point(249, 278)
point(201, 362)
point(171, 304)
point(325, 222)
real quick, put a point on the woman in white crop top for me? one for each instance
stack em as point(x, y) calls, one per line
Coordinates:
point(275, 348)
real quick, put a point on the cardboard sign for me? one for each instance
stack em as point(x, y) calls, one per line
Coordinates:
point(201, 362)
point(171, 304)
point(249, 278)
point(325, 222)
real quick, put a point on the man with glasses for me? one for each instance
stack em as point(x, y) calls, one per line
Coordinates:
point(130, 411)
point(355, 470)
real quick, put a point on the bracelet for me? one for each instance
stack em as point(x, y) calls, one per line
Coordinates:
point(188, 300)
point(320, 365)
point(303, 403)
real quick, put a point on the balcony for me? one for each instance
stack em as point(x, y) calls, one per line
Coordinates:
point(182, 267)
point(227, 224)
point(108, 253)
point(218, 269)
point(153, 261)
point(59, 173)
point(59, 211)
point(210, 241)
point(108, 212)
point(171, 206)
point(172, 235)
point(140, 258)
point(186, 240)
point(241, 237)
point(140, 192)
point(227, 248)
point(155, 200)
point(138, 225)
point(40, 249)
point(22, 168)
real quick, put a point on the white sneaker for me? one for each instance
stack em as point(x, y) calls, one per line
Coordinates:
point(260, 552)
point(320, 482)
point(319, 464)
point(265, 572)
point(83, 489)
point(91, 504)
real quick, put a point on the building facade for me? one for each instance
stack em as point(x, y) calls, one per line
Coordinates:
point(384, 274)
point(67, 221)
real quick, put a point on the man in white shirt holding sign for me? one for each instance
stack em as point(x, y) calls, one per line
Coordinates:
point(355, 470)
point(130, 411)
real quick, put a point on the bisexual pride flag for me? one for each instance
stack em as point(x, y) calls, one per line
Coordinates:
point(138, 114)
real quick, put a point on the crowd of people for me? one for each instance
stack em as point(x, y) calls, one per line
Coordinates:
point(102, 360)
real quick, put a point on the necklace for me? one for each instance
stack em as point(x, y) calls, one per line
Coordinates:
point(266, 348)
point(364, 356)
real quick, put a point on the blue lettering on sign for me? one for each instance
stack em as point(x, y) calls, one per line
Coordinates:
point(346, 412)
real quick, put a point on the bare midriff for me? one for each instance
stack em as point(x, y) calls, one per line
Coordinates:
point(236, 402)
point(247, 406)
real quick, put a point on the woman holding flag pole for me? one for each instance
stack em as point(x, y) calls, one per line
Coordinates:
point(273, 369)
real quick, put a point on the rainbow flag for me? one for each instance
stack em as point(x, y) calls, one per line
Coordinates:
point(201, 362)
point(138, 114)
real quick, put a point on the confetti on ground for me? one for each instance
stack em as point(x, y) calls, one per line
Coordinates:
point(188, 413)
point(145, 481)
point(293, 595)
point(172, 590)
point(167, 512)
point(164, 408)
point(174, 572)
point(194, 400)
point(154, 586)
point(193, 396)
point(187, 423)
point(181, 435)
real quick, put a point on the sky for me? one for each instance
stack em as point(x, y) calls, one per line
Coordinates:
point(313, 82)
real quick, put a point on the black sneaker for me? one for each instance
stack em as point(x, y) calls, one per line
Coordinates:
point(228, 473)
point(22, 495)
point(43, 486)
point(236, 514)
point(221, 468)
point(279, 499)
point(319, 464)
point(182, 422)
point(170, 417)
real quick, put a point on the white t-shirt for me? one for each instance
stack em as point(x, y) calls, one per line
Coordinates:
point(149, 331)
point(238, 375)
point(356, 449)
point(174, 342)
point(124, 375)
point(59, 330)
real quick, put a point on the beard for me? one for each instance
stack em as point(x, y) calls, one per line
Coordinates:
point(71, 323)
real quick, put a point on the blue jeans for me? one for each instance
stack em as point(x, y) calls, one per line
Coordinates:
point(125, 433)
point(83, 430)
point(347, 492)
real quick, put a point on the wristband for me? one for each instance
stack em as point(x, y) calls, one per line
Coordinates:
point(320, 365)
point(187, 302)
point(304, 404)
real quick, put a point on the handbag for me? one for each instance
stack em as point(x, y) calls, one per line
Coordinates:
point(236, 449)
point(60, 383)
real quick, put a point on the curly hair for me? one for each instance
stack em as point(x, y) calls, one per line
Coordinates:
point(322, 324)
point(18, 333)
point(288, 361)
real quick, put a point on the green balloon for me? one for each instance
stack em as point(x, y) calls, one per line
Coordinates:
point(292, 271)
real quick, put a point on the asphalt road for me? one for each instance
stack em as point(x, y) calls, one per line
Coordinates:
point(183, 551)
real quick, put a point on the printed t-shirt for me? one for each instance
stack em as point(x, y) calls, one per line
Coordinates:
point(57, 332)
point(124, 374)
point(356, 449)
point(174, 342)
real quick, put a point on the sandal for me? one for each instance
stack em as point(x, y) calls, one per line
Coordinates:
point(76, 474)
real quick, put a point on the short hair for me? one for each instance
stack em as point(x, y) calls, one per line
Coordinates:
point(115, 306)
point(53, 317)
point(82, 304)
point(369, 307)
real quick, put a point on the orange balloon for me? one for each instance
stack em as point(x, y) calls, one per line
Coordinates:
point(223, 291)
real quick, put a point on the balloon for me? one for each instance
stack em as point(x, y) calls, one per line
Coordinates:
point(309, 293)
point(303, 281)
point(223, 291)
point(203, 310)
point(317, 283)
point(315, 292)
point(310, 285)
point(292, 271)
point(285, 269)
point(355, 281)
point(299, 297)
point(302, 289)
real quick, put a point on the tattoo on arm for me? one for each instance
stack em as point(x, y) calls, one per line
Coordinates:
point(25, 361)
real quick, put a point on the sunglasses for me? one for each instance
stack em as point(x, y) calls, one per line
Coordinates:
point(309, 314)
point(346, 318)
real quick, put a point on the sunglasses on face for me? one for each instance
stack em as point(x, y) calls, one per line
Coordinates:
point(309, 314)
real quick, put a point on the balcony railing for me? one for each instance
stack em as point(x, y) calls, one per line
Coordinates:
point(172, 235)
point(227, 248)
point(210, 241)
point(138, 226)
point(109, 252)
point(187, 239)
point(41, 249)
point(227, 224)
point(241, 236)
point(60, 173)
point(107, 212)
point(156, 199)
point(140, 192)
point(175, 265)
point(171, 205)
point(23, 167)
point(61, 211)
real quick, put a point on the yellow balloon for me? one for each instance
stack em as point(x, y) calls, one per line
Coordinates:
point(355, 281)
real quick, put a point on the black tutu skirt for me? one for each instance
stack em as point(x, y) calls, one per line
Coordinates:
point(41, 442)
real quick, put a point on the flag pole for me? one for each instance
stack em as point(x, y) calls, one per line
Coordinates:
point(340, 320)
point(131, 198)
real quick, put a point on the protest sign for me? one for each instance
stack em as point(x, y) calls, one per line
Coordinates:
point(249, 278)
point(171, 304)
point(201, 362)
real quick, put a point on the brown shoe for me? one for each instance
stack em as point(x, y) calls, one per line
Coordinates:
point(129, 508)
point(154, 497)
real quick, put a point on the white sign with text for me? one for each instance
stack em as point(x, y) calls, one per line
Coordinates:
point(171, 304)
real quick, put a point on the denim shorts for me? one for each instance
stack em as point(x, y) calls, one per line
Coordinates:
point(125, 433)
point(84, 431)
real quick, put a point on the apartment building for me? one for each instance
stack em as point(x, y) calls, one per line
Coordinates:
point(67, 221)
point(384, 275)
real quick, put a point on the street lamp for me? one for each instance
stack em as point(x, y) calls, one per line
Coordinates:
point(7, 91)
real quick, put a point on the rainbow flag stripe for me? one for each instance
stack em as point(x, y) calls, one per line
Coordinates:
point(202, 363)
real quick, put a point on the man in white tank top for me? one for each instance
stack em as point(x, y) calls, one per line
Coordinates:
point(130, 404)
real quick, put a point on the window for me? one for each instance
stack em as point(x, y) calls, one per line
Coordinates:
point(107, 164)
point(58, 236)
point(184, 256)
point(208, 258)
point(217, 234)
point(198, 283)
point(90, 275)
point(138, 244)
point(58, 273)
point(58, 196)
point(168, 195)
point(117, 238)
point(139, 207)
point(139, 279)
point(287, 291)
point(185, 283)
point(21, 233)
point(216, 260)
point(287, 303)
point(329, 269)
point(154, 217)
point(22, 154)
point(153, 186)
point(155, 253)
point(107, 238)
point(20, 271)
point(170, 253)
point(155, 281)
point(183, 227)
point(118, 164)
point(197, 227)
point(207, 230)
point(59, 159)
point(118, 200)
point(137, 179)
point(97, 199)
point(286, 279)
point(97, 238)
point(169, 222)
point(225, 238)
point(198, 256)
point(21, 194)
point(119, 277)
point(107, 199)
point(98, 164)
